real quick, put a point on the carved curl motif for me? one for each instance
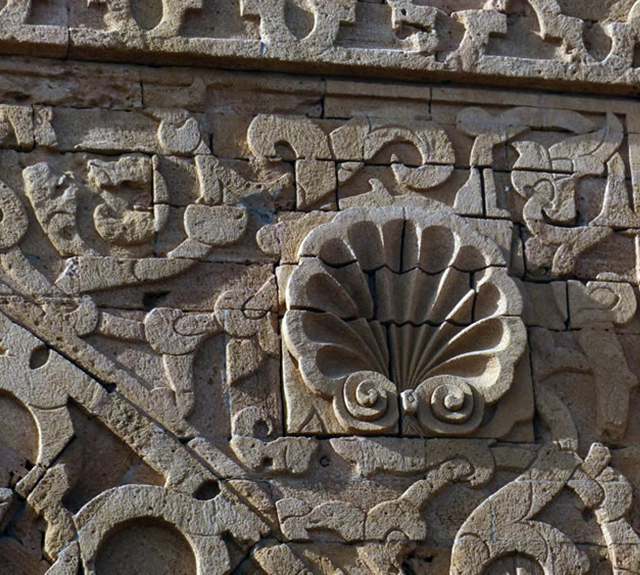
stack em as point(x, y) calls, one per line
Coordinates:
point(398, 302)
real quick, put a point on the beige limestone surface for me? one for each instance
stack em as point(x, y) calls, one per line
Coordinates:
point(319, 287)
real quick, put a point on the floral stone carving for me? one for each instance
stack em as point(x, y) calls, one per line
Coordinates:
point(255, 323)
point(402, 317)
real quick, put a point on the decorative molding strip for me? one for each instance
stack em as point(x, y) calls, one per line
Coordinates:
point(533, 42)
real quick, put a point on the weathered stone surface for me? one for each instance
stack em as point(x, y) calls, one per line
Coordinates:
point(561, 42)
point(286, 321)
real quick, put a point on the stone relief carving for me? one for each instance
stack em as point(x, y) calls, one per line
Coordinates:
point(377, 312)
point(274, 29)
point(120, 16)
point(393, 334)
point(524, 39)
point(552, 195)
point(504, 524)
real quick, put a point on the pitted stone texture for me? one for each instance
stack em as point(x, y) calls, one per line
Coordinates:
point(259, 323)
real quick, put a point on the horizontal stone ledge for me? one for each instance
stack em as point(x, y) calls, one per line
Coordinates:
point(579, 46)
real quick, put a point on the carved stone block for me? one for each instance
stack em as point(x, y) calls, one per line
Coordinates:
point(305, 287)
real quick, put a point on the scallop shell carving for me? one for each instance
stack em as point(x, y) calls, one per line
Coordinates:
point(402, 310)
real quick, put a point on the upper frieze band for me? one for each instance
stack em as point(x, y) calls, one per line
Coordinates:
point(550, 43)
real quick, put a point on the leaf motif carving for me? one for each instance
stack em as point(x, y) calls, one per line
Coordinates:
point(387, 297)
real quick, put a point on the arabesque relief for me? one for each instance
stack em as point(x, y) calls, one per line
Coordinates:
point(304, 287)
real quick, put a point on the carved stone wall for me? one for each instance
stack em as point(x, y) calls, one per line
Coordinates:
point(319, 287)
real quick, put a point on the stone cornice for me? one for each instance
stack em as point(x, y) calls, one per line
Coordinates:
point(542, 43)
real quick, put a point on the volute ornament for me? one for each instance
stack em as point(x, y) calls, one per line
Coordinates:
point(403, 310)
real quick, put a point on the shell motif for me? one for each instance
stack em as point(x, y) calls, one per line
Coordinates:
point(402, 309)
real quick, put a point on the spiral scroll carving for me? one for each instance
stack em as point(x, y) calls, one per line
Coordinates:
point(404, 310)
